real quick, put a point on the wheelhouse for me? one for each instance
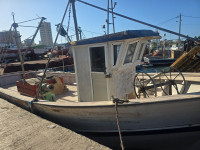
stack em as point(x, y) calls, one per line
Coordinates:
point(105, 66)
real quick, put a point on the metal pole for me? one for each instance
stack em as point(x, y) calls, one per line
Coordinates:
point(132, 19)
point(15, 25)
point(179, 38)
point(108, 16)
point(75, 19)
point(47, 65)
point(42, 19)
point(112, 16)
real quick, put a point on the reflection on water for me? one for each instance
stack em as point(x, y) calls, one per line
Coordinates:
point(151, 69)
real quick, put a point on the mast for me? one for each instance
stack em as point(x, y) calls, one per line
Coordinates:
point(75, 19)
point(15, 25)
point(107, 20)
point(113, 15)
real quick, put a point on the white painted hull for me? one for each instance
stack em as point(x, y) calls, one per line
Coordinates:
point(132, 117)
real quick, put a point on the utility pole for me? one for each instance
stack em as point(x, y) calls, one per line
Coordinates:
point(179, 39)
point(75, 19)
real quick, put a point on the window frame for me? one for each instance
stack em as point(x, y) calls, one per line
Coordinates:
point(119, 55)
point(138, 58)
point(89, 56)
point(138, 43)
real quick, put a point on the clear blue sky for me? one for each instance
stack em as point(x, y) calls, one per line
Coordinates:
point(90, 19)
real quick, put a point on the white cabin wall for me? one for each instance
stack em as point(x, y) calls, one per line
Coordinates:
point(119, 77)
point(123, 83)
point(123, 74)
point(83, 75)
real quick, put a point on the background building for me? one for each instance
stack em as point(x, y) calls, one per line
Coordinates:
point(46, 34)
point(7, 38)
point(28, 41)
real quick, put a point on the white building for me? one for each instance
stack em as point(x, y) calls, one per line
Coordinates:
point(46, 34)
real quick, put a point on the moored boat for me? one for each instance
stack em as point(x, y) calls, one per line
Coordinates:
point(105, 68)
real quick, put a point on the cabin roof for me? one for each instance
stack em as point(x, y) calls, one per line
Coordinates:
point(128, 34)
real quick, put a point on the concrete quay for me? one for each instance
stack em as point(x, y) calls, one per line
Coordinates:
point(22, 130)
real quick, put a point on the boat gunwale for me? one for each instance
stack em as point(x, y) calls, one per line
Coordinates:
point(111, 104)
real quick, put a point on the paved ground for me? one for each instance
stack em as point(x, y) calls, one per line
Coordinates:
point(22, 130)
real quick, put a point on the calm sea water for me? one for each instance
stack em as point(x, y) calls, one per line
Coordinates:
point(153, 69)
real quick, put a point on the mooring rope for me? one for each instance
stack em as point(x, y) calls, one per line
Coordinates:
point(116, 101)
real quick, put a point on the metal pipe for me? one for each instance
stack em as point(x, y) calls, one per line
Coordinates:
point(132, 19)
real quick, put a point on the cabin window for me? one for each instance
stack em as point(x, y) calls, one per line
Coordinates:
point(97, 56)
point(116, 49)
point(140, 51)
point(130, 53)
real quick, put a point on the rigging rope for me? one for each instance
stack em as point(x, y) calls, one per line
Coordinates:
point(29, 20)
point(138, 21)
point(168, 20)
point(27, 26)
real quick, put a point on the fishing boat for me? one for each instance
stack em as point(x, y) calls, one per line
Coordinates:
point(105, 97)
point(105, 69)
point(11, 53)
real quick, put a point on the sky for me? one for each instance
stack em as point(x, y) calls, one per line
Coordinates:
point(163, 13)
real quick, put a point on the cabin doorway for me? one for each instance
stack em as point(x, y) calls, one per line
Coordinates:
point(98, 69)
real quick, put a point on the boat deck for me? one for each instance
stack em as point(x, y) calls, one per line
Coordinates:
point(70, 95)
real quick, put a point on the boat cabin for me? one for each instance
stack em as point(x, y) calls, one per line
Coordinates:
point(105, 66)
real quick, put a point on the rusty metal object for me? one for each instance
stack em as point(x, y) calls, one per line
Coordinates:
point(170, 81)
